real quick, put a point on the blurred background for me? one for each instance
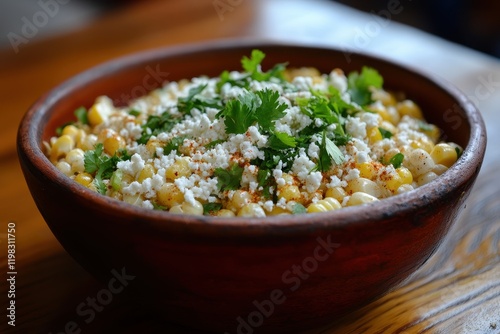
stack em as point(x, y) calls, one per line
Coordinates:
point(471, 23)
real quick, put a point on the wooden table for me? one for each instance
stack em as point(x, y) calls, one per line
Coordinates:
point(457, 290)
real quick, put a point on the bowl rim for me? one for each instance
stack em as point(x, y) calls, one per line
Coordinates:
point(29, 142)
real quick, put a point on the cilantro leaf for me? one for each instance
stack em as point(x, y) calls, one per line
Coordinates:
point(92, 159)
point(192, 101)
point(333, 151)
point(156, 125)
point(281, 140)
point(397, 160)
point(328, 151)
point(157, 206)
point(298, 209)
point(102, 167)
point(229, 179)
point(226, 78)
point(359, 85)
point(252, 65)
point(265, 181)
point(270, 109)
point(81, 115)
point(173, 145)
point(459, 151)
point(210, 208)
point(239, 114)
point(385, 133)
point(134, 112)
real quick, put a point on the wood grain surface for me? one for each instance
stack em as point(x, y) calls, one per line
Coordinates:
point(457, 290)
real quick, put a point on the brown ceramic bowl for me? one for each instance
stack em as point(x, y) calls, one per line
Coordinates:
point(278, 274)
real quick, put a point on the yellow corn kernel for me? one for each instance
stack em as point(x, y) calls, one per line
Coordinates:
point(386, 98)
point(152, 145)
point(75, 158)
point(100, 111)
point(169, 195)
point(132, 199)
point(419, 162)
point(147, 172)
point(64, 167)
point(289, 193)
point(251, 210)
point(85, 179)
point(359, 198)
point(178, 169)
point(240, 198)
point(431, 131)
point(363, 185)
point(70, 130)
point(127, 178)
point(113, 144)
point(225, 213)
point(393, 115)
point(374, 135)
point(405, 175)
point(61, 147)
point(393, 182)
point(424, 143)
point(288, 180)
point(426, 178)
point(336, 192)
point(439, 169)
point(444, 154)
point(409, 108)
point(88, 142)
point(386, 125)
point(401, 177)
point(291, 73)
point(326, 204)
point(367, 169)
point(195, 208)
point(278, 211)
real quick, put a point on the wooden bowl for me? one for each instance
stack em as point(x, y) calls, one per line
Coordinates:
point(275, 274)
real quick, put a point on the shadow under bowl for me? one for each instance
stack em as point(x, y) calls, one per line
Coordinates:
point(278, 274)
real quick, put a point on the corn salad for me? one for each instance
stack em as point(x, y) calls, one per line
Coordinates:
point(254, 143)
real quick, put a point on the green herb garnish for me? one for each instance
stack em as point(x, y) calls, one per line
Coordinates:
point(397, 160)
point(210, 208)
point(359, 85)
point(81, 115)
point(229, 179)
point(385, 133)
point(156, 125)
point(298, 209)
point(101, 167)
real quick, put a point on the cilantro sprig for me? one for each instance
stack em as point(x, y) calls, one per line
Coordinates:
point(103, 167)
point(359, 85)
point(229, 179)
point(156, 125)
point(261, 107)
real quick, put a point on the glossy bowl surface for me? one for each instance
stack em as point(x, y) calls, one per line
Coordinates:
point(277, 274)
